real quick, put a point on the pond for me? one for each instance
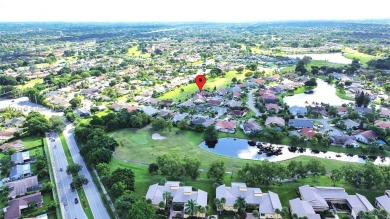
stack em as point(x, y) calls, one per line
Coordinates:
point(329, 57)
point(324, 92)
point(246, 149)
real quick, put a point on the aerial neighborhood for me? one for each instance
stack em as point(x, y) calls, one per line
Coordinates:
point(107, 121)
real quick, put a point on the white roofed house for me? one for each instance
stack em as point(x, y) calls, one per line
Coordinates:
point(267, 202)
point(319, 198)
point(383, 202)
point(180, 194)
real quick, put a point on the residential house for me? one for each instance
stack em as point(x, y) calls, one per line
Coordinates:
point(344, 140)
point(149, 110)
point(303, 209)
point(298, 110)
point(385, 113)
point(167, 103)
point(15, 145)
point(83, 112)
point(214, 102)
point(221, 92)
point(362, 110)
point(17, 205)
point(236, 95)
point(233, 103)
point(382, 124)
point(203, 121)
point(198, 98)
point(187, 103)
point(319, 197)
point(275, 120)
point(22, 186)
point(20, 171)
point(179, 116)
point(301, 123)
point(249, 127)
point(15, 122)
point(350, 124)
point(20, 157)
point(180, 194)
point(366, 136)
point(225, 126)
point(308, 133)
point(219, 110)
point(238, 113)
point(272, 107)
point(267, 202)
point(118, 107)
point(8, 133)
point(341, 111)
point(152, 101)
point(269, 98)
point(383, 202)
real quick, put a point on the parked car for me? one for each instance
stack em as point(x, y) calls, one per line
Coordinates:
point(76, 201)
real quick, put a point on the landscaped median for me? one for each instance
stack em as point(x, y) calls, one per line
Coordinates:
point(83, 197)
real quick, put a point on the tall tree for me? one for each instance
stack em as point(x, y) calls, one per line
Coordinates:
point(316, 168)
point(216, 171)
point(335, 176)
point(191, 208)
point(191, 166)
point(210, 134)
point(141, 210)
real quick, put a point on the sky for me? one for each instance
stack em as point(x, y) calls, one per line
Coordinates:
point(190, 10)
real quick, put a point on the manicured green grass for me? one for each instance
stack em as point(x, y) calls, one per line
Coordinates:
point(137, 145)
point(133, 51)
point(341, 93)
point(32, 141)
point(318, 63)
point(354, 54)
point(83, 197)
point(191, 88)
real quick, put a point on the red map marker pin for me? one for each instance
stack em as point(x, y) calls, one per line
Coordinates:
point(200, 80)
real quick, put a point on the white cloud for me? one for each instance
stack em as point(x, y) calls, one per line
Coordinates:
point(181, 10)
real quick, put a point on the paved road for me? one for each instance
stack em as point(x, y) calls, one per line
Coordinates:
point(95, 201)
point(251, 103)
point(66, 197)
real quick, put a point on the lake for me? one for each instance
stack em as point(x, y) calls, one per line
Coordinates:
point(329, 57)
point(241, 148)
point(324, 92)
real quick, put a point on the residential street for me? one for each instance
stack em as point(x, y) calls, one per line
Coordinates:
point(66, 197)
point(251, 103)
point(95, 201)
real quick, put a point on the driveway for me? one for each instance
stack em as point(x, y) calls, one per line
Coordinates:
point(66, 197)
point(326, 126)
point(98, 209)
point(251, 103)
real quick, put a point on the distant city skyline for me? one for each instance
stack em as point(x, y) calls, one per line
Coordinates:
point(201, 10)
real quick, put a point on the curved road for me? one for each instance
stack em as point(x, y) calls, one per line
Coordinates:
point(98, 209)
point(251, 103)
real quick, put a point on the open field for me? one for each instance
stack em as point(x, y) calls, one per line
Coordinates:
point(318, 63)
point(354, 54)
point(137, 145)
point(133, 51)
point(30, 83)
point(189, 89)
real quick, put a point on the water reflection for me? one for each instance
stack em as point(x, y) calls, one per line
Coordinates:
point(244, 149)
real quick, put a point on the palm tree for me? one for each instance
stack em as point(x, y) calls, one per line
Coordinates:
point(207, 208)
point(167, 195)
point(240, 201)
point(294, 216)
point(202, 210)
point(284, 212)
point(161, 204)
point(191, 207)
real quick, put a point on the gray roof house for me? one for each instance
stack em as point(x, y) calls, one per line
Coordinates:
point(301, 123)
point(267, 202)
point(318, 197)
point(297, 110)
point(302, 209)
point(349, 124)
point(20, 157)
point(180, 194)
point(20, 171)
point(20, 187)
point(383, 202)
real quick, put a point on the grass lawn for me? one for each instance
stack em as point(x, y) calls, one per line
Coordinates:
point(286, 191)
point(30, 83)
point(133, 51)
point(318, 63)
point(190, 89)
point(32, 141)
point(83, 197)
point(354, 54)
point(341, 93)
point(137, 145)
